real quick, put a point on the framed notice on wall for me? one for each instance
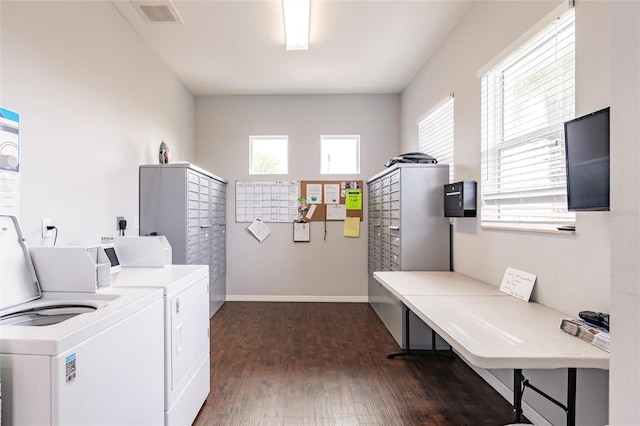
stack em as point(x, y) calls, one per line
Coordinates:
point(269, 201)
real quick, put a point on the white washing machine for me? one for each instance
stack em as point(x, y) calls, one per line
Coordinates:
point(186, 333)
point(76, 358)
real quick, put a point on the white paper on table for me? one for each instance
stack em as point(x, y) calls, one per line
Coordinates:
point(332, 193)
point(259, 230)
point(314, 193)
point(518, 283)
point(336, 211)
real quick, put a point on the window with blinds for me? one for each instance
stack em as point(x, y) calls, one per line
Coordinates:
point(526, 98)
point(435, 134)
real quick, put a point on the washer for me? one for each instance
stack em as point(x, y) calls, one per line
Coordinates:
point(186, 333)
point(76, 358)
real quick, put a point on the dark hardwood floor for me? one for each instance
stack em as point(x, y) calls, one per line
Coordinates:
point(325, 364)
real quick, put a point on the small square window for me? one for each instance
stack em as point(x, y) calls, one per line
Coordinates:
point(269, 155)
point(340, 155)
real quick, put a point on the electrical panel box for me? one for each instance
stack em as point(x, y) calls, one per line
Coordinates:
point(460, 199)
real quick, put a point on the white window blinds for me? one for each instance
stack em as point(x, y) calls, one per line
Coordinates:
point(526, 99)
point(435, 134)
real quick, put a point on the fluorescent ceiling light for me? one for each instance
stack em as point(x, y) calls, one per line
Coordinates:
point(296, 23)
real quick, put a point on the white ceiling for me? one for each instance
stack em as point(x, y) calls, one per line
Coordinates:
point(227, 47)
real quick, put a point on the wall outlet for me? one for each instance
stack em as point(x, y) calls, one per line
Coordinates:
point(47, 221)
point(118, 219)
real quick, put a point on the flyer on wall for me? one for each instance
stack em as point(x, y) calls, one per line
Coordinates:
point(9, 163)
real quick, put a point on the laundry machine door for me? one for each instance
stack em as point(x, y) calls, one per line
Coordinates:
point(26, 397)
point(189, 330)
point(115, 376)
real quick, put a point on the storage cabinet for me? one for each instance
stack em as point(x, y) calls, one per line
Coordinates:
point(407, 231)
point(188, 205)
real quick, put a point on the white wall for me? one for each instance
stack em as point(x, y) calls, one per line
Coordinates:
point(573, 271)
point(94, 103)
point(278, 269)
point(625, 214)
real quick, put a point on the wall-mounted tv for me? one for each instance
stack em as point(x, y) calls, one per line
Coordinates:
point(586, 142)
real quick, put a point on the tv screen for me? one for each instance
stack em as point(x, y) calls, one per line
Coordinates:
point(586, 142)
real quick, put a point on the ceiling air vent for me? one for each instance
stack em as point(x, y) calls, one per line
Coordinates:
point(157, 12)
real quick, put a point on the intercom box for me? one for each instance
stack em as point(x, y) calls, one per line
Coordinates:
point(460, 199)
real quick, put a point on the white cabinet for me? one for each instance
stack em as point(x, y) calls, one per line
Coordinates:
point(188, 205)
point(407, 231)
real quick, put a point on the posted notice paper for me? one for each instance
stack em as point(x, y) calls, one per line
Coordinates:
point(352, 227)
point(259, 230)
point(331, 193)
point(336, 211)
point(518, 284)
point(354, 199)
point(314, 193)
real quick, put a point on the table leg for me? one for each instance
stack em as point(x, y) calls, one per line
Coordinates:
point(417, 352)
point(571, 397)
point(407, 350)
point(517, 394)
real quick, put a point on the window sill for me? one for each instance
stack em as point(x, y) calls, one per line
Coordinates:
point(541, 228)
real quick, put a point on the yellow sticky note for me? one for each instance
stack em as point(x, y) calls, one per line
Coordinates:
point(353, 199)
point(352, 227)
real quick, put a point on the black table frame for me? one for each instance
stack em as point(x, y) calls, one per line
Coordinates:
point(520, 383)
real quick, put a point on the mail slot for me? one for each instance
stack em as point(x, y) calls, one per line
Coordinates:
point(460, 199)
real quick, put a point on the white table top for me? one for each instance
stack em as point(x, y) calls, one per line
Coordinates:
point(434, 283)
point(505, 332)
point(489, 328)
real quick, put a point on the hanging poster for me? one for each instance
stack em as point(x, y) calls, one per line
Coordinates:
point(9, 163)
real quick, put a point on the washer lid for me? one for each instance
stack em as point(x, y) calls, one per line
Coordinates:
point(18, 282)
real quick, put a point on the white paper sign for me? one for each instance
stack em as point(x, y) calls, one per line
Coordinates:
point(259, 230)
point(314, 193)
point(336, 211)
point(311, 211)
point(301, 231)
point(518, 284)
point(331, 193)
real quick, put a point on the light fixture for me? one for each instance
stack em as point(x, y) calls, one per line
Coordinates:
point(296, 23)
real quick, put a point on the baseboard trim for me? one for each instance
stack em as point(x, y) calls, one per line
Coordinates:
point(531, 414)
point(276, 298)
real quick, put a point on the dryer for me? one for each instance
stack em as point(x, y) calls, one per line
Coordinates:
point(186, 333)
point(76, 358)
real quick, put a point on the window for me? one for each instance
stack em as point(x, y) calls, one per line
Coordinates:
point(435, 134)
point(526, 98)
point(339, 155)
point(268, 155)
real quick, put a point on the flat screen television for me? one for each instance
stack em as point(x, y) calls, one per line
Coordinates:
point(586, 141)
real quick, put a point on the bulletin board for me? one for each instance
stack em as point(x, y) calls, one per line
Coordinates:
point(269, 201)
point(320, 213)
